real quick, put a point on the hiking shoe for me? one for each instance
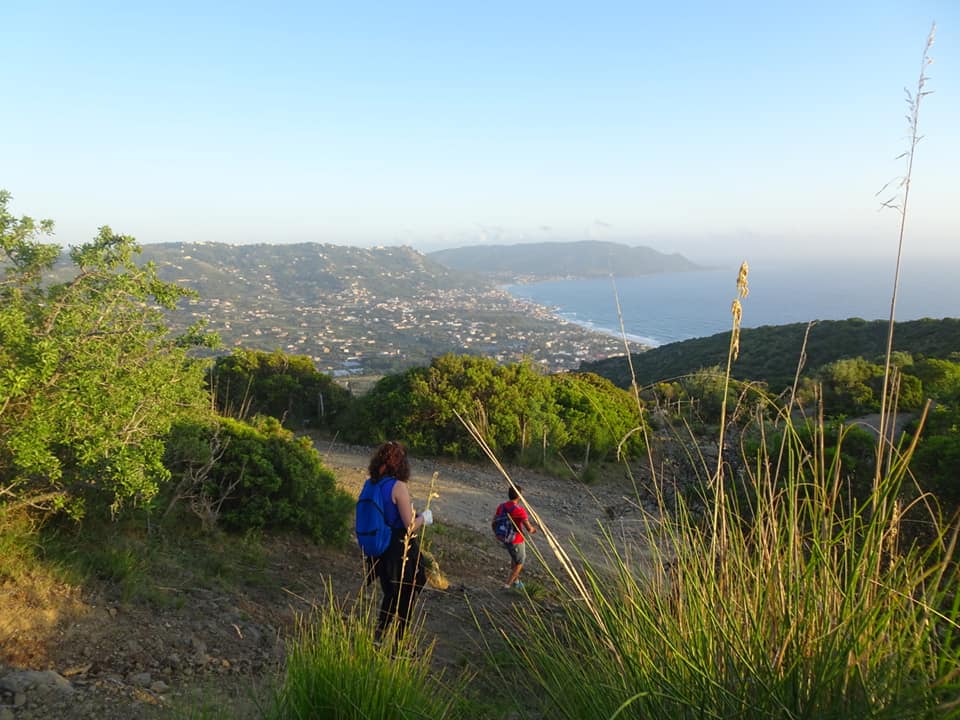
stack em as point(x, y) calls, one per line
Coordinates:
point(518, 585)
point(507, 586)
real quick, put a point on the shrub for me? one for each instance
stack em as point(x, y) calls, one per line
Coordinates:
point(256, 475)
point(288, 387)
point(520, 412)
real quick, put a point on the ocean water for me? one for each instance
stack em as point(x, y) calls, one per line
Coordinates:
point(659, 309)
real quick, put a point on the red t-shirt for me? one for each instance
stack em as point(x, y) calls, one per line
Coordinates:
point(518, 515)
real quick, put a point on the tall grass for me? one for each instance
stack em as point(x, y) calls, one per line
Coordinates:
point(812, 610)
point(336, 671)
point(786, 598)
point(775, 593)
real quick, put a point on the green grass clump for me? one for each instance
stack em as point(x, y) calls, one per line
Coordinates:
point(18, 546)
point(794, 605)
point(155, 567)
point(335, 670)
point(777, 593)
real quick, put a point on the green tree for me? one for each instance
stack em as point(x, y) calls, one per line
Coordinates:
point(90, 378)
point(288, 387)
point(596, 415)
point(521, 413)
point(936, 462)
point(940, 378)
point(705, 387)
point(851, 386)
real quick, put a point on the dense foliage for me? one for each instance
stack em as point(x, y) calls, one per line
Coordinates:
point(288, 387)
point(521, 413)
point(256, 475)
point(90, 378)
point(771, 353)
point(936, 463)
point(101, 406)
point(854, 386)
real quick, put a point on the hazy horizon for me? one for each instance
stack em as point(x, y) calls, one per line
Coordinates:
point(716, 132)
point(883, 254)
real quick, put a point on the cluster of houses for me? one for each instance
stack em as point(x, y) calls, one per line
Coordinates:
point(353, 323)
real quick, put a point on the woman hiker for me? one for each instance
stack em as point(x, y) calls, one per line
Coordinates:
point(400, 569)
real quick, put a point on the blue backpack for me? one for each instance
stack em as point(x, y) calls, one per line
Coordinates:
point(373, 533)
point(503, 526)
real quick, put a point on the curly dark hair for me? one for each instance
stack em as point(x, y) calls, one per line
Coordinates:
point(390, 459)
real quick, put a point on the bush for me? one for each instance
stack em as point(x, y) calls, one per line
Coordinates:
point(519, 412)
point(256, 475)
point(288, 387)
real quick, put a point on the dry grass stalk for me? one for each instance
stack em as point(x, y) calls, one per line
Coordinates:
point(899, 203)
point(561, 554)
point(736, 310)
point(435, 576)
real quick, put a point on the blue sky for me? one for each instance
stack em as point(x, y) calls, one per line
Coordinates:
point(713, 129)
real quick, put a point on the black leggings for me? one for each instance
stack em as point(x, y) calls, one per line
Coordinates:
point(401, 582)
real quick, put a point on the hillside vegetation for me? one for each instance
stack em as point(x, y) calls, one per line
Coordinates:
point(771, 354)
point(358, 310)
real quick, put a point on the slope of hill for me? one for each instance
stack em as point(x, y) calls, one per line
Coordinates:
point(772, 352)
point(539, 261)
point(303, 269)
point(362, 311)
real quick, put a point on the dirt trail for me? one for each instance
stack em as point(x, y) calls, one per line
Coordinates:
point(111, 658)
point(468, 495)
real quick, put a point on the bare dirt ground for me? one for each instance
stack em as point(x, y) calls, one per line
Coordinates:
point(71, 652)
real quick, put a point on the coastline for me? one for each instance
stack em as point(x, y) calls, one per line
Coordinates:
point(557, 312)
point(660, 309)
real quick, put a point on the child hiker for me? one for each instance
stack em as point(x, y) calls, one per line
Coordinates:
point(509, 523)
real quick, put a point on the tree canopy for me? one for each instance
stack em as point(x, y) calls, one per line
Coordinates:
point(91, 379)
point(520, 412)
point(288, 387)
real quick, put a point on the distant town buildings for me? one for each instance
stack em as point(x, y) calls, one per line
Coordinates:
point(350, 323)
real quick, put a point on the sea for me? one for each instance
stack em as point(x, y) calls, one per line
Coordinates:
point(668, 307)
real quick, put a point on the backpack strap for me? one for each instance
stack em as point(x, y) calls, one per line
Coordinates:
point(391, 514)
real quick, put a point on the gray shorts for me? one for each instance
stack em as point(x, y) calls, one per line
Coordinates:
point(518, 552)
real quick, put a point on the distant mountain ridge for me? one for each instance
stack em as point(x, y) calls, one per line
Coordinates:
point(582, 259)
point(302, 270)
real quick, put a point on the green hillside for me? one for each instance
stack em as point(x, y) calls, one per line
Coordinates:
point(772, 352)
point(302, 271)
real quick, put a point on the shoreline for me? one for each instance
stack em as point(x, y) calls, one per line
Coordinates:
point(646, 342)
point(666, 308)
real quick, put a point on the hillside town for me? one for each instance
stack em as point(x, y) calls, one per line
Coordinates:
point(355, 333)
point(358, 311)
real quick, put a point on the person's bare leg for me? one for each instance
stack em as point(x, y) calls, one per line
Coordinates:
point(515, 574)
